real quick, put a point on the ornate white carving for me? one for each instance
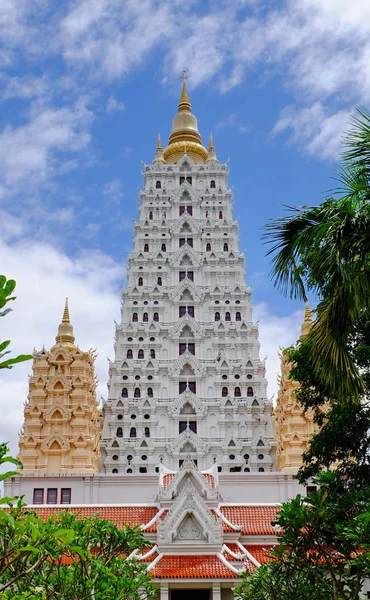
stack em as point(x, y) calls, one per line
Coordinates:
point(175, 407)
point(176, 329)
point(176, 293)
point(174, 370)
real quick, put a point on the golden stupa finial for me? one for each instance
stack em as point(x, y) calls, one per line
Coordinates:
point(184, 103)
point(158, 157)
point(211, 155)
point(307, 321)
point(65, 330)
point(66, 318)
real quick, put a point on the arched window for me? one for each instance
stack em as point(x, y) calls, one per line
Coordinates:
point(213, 184)
point(124, 393)
point(129, 353)
point(146, 247)
point(137, 393)
point(208, 247)
point(238, 316)
point(119, 432)
point(145, 318)
point(159, 281)
point(140, 354)
point(217, 316)
point(133, 432)
point(227, 316)
point(158, 185)
point(155, 316)
point(163, 247)
point(237, 393)
point(150, 216)
point(140, 281)
point(225, 392)
point(150, 392)
point(134, 317)
point(220, 215)
point(146, 432)
point(226, 247)
point(152, 353)
point(250, 392)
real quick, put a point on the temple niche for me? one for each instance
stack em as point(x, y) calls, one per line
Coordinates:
point(61, 431)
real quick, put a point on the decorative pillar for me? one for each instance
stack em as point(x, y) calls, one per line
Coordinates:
point(216, 591)
point(164, 591)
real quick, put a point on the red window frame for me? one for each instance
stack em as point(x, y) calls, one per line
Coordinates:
point(38, 492)
point(65, 496)
point(52, 496)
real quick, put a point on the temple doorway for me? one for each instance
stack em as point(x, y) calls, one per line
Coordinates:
point(201, 594)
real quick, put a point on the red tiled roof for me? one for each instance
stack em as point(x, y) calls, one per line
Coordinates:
point(255, 520)
point(210, 479)
point(153, 528)
point(184, 566)
point(120, 515)
point(260, 553)
point(169, 477)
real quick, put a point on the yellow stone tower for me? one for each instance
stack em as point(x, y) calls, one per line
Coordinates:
point(293, 426)
point(61, 431)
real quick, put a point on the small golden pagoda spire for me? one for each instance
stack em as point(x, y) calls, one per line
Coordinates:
point(66, 318)
point(158, 157)
point(65, 330)
point(184, 103)
point(211, 150)
point(307, 321)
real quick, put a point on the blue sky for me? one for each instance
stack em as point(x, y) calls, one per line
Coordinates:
point(86, 85)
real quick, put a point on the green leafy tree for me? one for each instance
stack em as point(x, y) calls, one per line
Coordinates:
point(270, 582)
point(325, 249)
point(324, 547)
point(67, 557)
point(7, 288)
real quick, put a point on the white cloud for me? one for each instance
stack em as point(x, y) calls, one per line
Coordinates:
point(30, 152)
point(114, 105)
point(45, 276)
point(275, 333)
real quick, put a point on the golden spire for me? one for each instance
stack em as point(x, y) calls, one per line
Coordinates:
point(307, 321)
point(211, 150)
point(158, 157)
point(65, 330)
point(66, 318)
point(185, 137)
point(184, 103)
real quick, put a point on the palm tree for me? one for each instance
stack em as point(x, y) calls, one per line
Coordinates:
point(325, 249)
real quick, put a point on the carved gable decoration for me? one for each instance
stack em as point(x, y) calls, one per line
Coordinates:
point(176, 293)
point(186, 257)
point(187, 399)
point(189, 518)
point(187, 322)
point(174, 447)
point(186, 364)
point(190, 529)
point(177, 226)
point(59, 382)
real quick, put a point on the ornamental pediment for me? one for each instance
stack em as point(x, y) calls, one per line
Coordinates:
point(187, 437)
point(189, 518)
point(188, 365)
point(183, 286)
point(187, 404)
point(59, 383)
point(186, 320)
point(185, 256)
point(182, 221)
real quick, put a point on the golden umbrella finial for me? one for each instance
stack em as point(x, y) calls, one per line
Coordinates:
point(184, 103)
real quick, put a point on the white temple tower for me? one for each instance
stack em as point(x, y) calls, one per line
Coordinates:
point(187, 380)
